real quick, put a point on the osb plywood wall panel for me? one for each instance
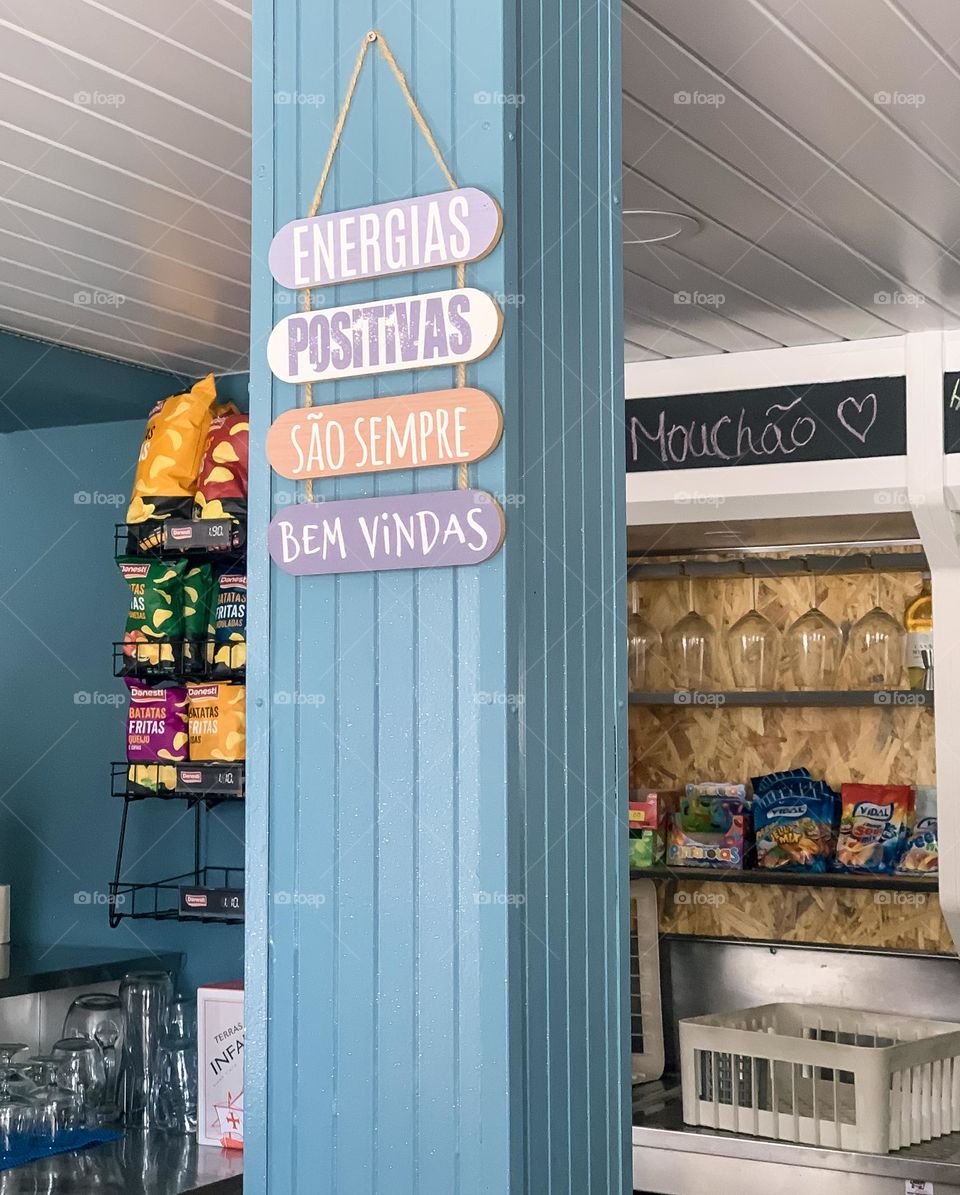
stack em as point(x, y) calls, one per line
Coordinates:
point(671, 745)
point(880, 919)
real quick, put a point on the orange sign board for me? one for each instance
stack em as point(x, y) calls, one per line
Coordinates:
point(437, 427)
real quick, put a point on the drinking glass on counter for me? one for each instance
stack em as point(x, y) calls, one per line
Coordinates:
point(689, 648)
point(812, 648)
point(145, 997)
point(177, 1085)
point(99, 1017)
point(81, 1070)
point(56, 1109)
point(16, 1111)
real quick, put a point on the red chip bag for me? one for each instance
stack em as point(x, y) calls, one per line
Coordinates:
point(222, 483)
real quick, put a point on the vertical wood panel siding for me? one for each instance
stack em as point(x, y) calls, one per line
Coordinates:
point(436, 880)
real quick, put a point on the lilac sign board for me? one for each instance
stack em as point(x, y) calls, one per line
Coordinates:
point(444, 529)
point(422, 233)
point(444, 327)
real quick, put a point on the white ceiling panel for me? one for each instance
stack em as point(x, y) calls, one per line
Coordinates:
point(813, 141)
point(124, 174)
point(816, 143)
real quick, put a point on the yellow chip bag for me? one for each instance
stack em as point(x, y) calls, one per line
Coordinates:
point(217, 722)
point(169, 463)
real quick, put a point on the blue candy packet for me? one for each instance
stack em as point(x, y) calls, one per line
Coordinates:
point(793, 821)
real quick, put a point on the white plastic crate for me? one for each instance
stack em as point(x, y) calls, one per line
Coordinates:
point(835, 1077)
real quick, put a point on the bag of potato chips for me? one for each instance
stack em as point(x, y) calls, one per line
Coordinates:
point(199, 602)
point(217, 715)
point(222, 485)
point(156, 731)
point(230, 627)
point(154, 630)
point(169, 463)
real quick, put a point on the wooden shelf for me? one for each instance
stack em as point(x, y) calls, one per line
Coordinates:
point(825, 879)
point(882, 699)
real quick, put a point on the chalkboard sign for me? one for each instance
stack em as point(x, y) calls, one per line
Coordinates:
point(951, 412)
point(827, 421)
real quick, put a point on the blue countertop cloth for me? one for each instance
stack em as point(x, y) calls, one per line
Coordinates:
point(74, 1139)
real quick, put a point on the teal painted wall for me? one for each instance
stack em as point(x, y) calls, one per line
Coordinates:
point(436, 930)
point(44, 385)
point(62, 712)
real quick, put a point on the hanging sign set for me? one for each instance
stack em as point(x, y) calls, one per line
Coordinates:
point(411, 431)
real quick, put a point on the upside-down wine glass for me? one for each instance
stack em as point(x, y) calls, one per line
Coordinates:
point(689, 647)
point(753, 647)
point(813, 646)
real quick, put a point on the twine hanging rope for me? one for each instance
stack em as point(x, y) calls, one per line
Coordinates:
point(374, 37)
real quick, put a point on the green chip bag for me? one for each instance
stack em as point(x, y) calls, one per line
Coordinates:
point(199, 602)
point(153, 636)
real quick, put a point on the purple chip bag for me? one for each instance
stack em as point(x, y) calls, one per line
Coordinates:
point(156, 724)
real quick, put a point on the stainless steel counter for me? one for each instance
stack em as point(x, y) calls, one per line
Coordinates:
point(137, 1164)
point(671, 1158)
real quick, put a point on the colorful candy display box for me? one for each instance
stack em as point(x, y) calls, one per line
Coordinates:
point(650, 808)
point(707, 832)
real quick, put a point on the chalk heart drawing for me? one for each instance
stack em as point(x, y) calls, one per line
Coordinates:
point(868, 402)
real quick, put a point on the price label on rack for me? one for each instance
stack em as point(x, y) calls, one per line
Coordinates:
point(200, 534)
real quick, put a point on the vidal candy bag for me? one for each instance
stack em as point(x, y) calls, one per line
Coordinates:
point(222, 485)
point(169, 463)
point(154, 628)
point(230, 627)
point(217, 722)
point(873, 827)
point(156, 730)
point(921, 853)
point(793, 821)
point(199, 590)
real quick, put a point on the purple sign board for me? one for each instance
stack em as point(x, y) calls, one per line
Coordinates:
point(360, 535)
point(422, 233)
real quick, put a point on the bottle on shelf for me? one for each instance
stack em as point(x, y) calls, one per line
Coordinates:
point(918, 645)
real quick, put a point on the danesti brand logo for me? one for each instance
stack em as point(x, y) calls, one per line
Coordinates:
point(189, 777)
point(204, 690)
point(148, 694)
point(181, 532)
point(133, 571)
point(238, 580)
point(195, 900)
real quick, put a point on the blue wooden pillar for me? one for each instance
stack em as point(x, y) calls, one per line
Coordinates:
point(436, 936)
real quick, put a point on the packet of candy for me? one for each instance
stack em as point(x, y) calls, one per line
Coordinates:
point(873, 826)
point(921, 852)
point(154, 628)
point(717, 788)
point(761, 784)
point(793, 821)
